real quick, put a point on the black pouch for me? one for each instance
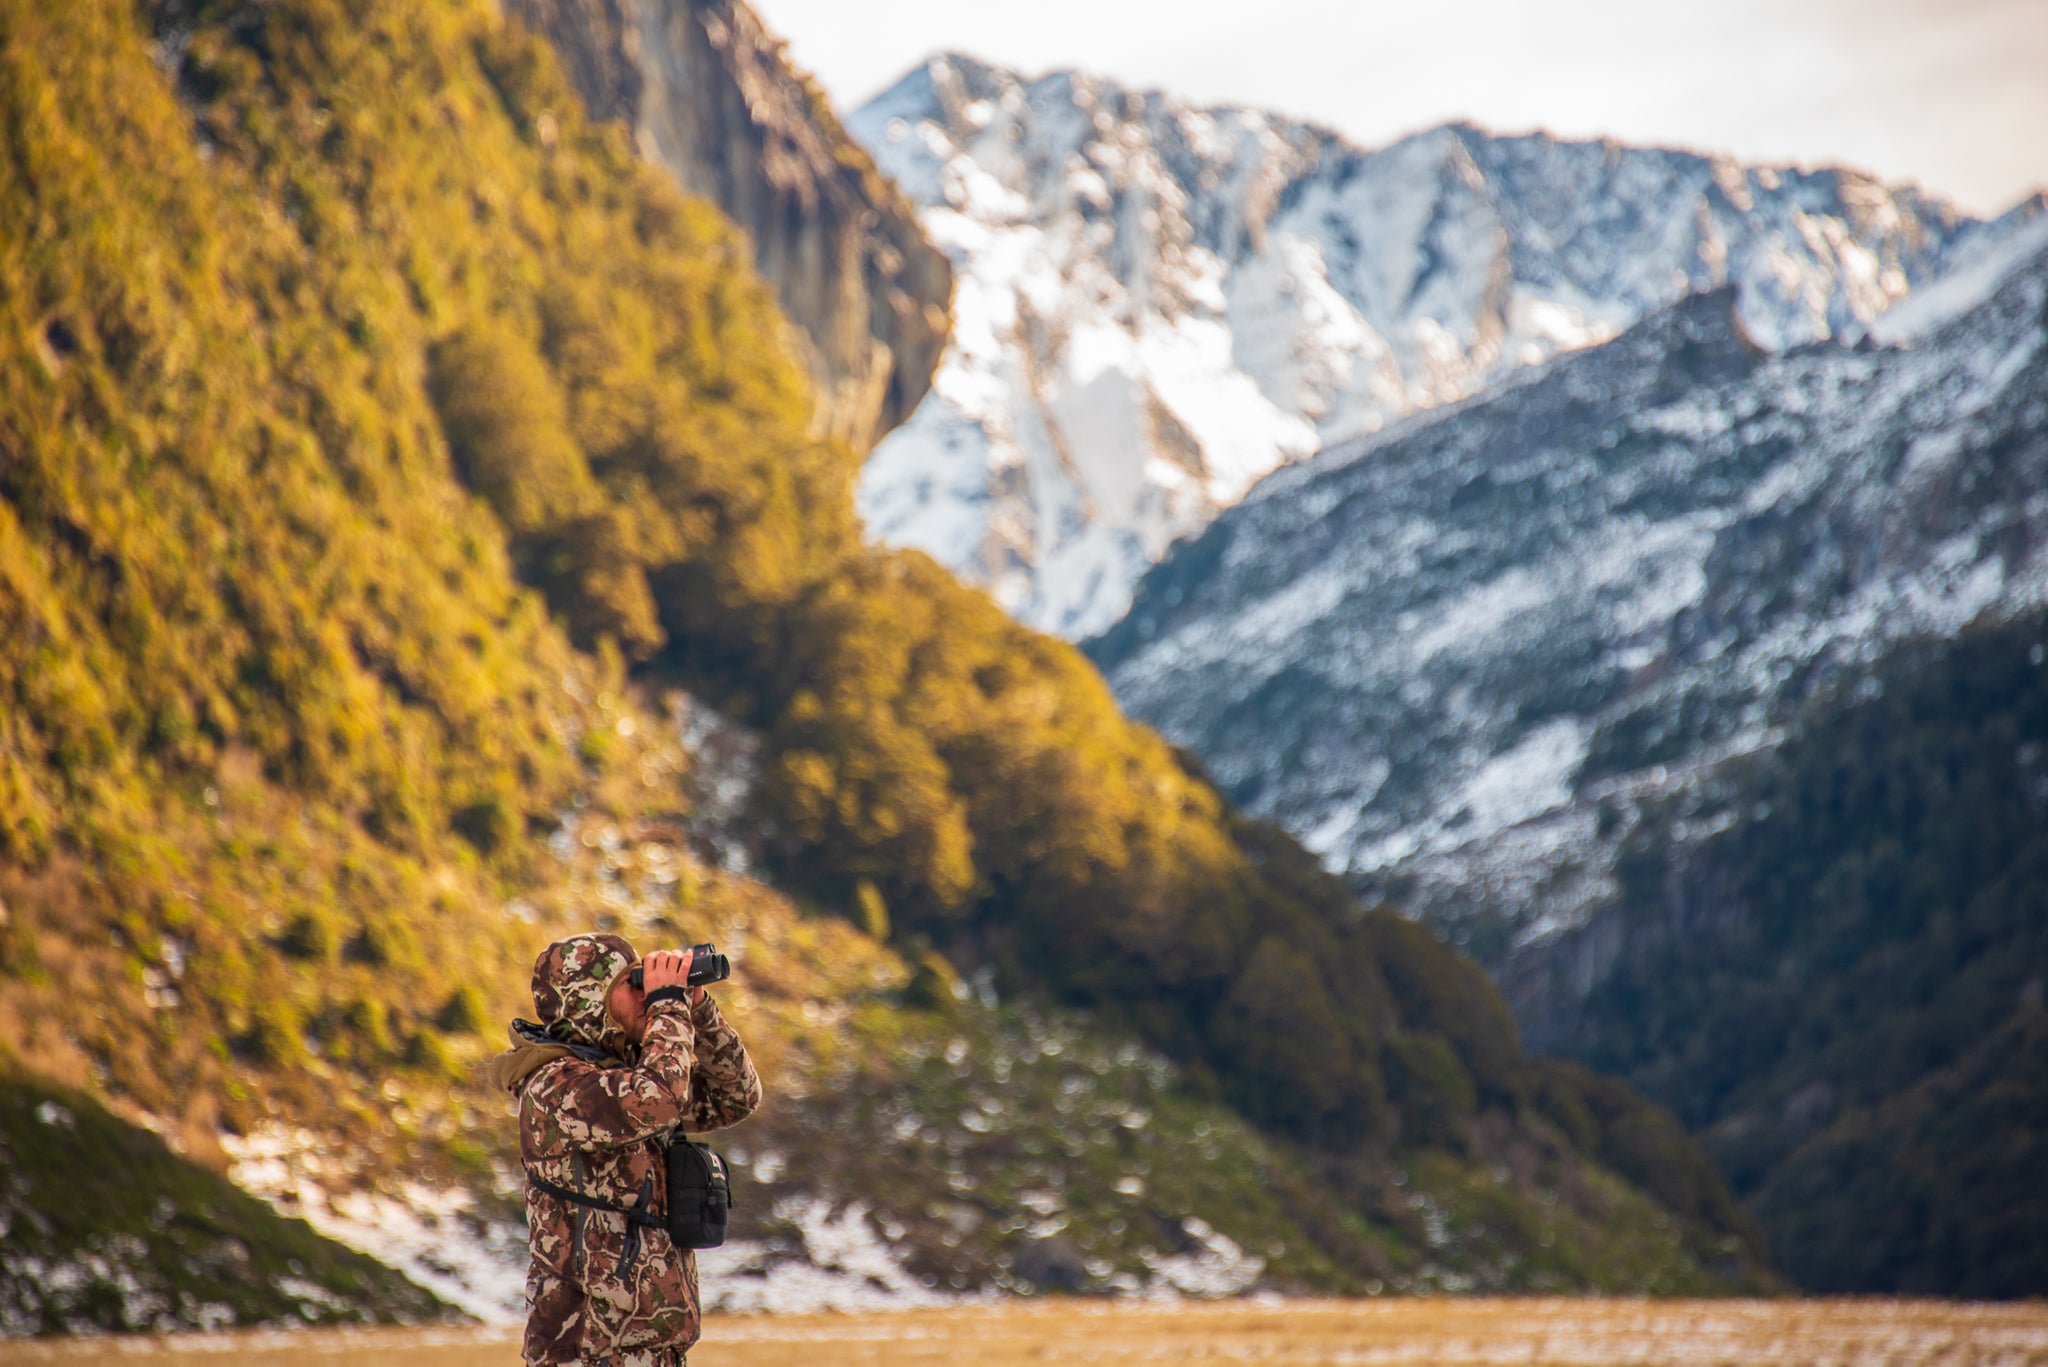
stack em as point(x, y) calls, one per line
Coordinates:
point(699, 1195)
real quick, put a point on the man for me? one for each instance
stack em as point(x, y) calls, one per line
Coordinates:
point(610, 1070)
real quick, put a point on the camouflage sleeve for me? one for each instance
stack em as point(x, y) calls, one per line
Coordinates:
point(611, 1106)
point(726, 1089)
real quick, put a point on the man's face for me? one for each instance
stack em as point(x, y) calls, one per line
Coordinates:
point(628, 1009)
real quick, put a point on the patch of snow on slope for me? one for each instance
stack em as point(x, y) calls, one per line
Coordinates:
point(74, 1292)
point(1477, 614)
point(435, 1237)
point(844, 1265)
point(1215, 1266)
point(1962, 290)
point(1528, 780)
point(438, 1238)
point(1660, 570)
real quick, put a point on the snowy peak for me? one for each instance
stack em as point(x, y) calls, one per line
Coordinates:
point(1068, 140)
point(1159, 304)
point(1090, 410)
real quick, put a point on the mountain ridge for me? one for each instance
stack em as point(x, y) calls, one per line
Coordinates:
point(1576, 548)
point(1162, 303)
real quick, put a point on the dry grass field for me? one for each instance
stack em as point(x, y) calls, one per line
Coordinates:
point(1392, 1333)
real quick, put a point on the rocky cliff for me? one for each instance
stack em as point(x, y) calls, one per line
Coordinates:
point(708, 95)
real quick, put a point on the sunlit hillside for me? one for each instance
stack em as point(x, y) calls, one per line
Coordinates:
point(385, 448)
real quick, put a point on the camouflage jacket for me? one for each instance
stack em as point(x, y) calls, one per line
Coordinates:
point(598, 1288)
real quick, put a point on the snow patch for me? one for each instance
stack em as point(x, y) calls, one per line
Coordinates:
point(1963, 290)
point(1214, 1266)
point(436, 1237)
point(843, 1264)
point(1529, 780)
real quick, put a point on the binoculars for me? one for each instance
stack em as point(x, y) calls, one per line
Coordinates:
point(707, 965)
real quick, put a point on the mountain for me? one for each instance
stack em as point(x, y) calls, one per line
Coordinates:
point(1697, 689)
point(1458, 658)
point(709, 97)
point(1829, 959)
point(1159, 304)
point(418, 540)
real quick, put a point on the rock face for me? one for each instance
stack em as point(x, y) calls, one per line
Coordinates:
point(1160, 304)
point(1457, 659)
point(708, 95)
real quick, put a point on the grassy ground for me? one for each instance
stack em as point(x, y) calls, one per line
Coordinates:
point(1529, 1333)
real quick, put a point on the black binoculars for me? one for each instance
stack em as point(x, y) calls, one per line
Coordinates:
point(707, 965)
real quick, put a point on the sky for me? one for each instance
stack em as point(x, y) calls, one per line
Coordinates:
point(1951, 94)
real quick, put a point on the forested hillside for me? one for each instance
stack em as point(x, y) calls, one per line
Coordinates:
point(1841, 987)
point(379, 441)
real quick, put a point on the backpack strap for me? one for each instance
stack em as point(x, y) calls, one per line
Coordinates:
point(636, 1214)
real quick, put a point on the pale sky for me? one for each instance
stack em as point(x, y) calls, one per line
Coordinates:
point(1952, 94)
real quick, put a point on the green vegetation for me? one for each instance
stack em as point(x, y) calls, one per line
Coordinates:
point(988, 1142)
point(380, 438)
point(1851, 1014)
point(107, 1228)
point(1031, 1151)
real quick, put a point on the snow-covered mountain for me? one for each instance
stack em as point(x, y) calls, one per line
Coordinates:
point(1159, 304)
point(1456, 657)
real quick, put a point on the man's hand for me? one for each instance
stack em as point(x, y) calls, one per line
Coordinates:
point(668, 968)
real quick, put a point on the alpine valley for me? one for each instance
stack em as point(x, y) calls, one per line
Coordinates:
point(427, 527)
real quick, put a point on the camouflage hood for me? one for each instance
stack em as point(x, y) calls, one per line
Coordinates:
point(572, 979)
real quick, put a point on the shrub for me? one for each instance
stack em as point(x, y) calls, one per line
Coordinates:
point(464, 1013)
point(1429, 1085)
point(310, 935)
